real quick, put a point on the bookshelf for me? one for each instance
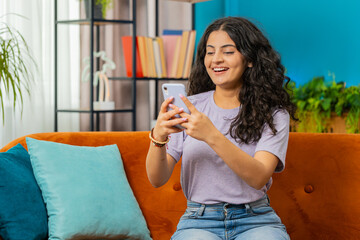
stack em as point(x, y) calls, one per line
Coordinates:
point(94, 24)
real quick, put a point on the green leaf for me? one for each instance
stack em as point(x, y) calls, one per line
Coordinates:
point(354, 100)
point(301, 105)
point(16, 66)
point(326, 104)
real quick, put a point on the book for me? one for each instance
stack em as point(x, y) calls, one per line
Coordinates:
point(175, 61)
point(162, 57)
point(172, 32)
point(143, 55)
point(157, 57)
point(183, 48)
point(127, 49)
point(189, 54)
point(169, 50)
point(151, 57)
point(147, 57)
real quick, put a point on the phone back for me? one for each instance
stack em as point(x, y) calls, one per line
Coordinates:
point(174, 89)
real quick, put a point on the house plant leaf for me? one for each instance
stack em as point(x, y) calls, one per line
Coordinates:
point(16, 67)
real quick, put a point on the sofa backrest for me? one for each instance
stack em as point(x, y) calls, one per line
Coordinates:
point(315, 196)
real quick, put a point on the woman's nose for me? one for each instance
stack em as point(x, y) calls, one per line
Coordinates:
point(217, 57)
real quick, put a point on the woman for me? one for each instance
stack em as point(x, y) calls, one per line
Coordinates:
point(235, 136)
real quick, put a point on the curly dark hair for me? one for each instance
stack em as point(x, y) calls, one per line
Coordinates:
point(263, 89)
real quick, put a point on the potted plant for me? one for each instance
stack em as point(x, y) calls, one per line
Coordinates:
point(100, 8)
point(320, 102)
point(15, 67)
point(349, 101)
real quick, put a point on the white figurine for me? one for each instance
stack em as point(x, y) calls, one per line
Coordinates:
point(100, 78)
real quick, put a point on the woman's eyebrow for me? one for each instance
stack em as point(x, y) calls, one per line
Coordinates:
point(224, 46)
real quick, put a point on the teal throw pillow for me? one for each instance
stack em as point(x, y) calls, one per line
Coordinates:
point(22, 209)
point(86, 192)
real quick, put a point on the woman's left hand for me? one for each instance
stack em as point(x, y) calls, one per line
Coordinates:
point(198, 125)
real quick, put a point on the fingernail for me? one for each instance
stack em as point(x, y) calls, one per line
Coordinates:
point(181, 109)
point(171, 98)
point(184, 119)
point(171, 105)
point(181, 95)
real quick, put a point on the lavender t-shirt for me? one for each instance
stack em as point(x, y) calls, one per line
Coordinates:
point(205, 177)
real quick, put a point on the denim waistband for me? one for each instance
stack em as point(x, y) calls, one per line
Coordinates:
point(261, 201)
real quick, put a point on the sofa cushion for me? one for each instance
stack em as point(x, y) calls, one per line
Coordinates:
point(86, 192)
point(22, 209)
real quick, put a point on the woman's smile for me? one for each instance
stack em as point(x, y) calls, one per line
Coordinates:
point(220, 70)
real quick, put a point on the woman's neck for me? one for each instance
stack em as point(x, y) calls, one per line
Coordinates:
point(227, 99)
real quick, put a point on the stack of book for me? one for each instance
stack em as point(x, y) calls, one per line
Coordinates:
point(168, 56)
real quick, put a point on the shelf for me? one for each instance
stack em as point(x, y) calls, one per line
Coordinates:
point(95, 21)
point(94, 37)
point(94, 111)
point(147, 79)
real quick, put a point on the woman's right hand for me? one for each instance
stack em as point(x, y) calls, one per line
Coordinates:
point(166, 121)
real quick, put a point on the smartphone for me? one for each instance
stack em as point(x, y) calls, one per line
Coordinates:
point(174, 89)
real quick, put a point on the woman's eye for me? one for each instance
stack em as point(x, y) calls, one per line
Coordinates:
point(210, 53)
point(228, 53)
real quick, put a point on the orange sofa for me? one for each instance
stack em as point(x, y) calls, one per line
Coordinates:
point(317, 196)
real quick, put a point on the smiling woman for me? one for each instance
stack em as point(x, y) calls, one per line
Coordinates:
point(233, 140)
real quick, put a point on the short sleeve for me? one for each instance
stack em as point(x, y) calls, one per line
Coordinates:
point(175, 145)
point(276, 144)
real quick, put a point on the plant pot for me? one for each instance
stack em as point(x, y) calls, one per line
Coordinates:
point(97, 10)
point(336, 124)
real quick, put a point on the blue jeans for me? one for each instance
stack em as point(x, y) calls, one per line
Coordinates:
point(253, 221)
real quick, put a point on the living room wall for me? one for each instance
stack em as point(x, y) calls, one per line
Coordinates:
point(313, 37)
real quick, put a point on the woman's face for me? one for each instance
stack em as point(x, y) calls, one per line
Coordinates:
point(223, 62)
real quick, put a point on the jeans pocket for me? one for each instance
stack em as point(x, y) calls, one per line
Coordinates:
point(261, 210)
point(267, 214)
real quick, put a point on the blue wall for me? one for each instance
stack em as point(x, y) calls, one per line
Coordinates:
point(313, 37)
